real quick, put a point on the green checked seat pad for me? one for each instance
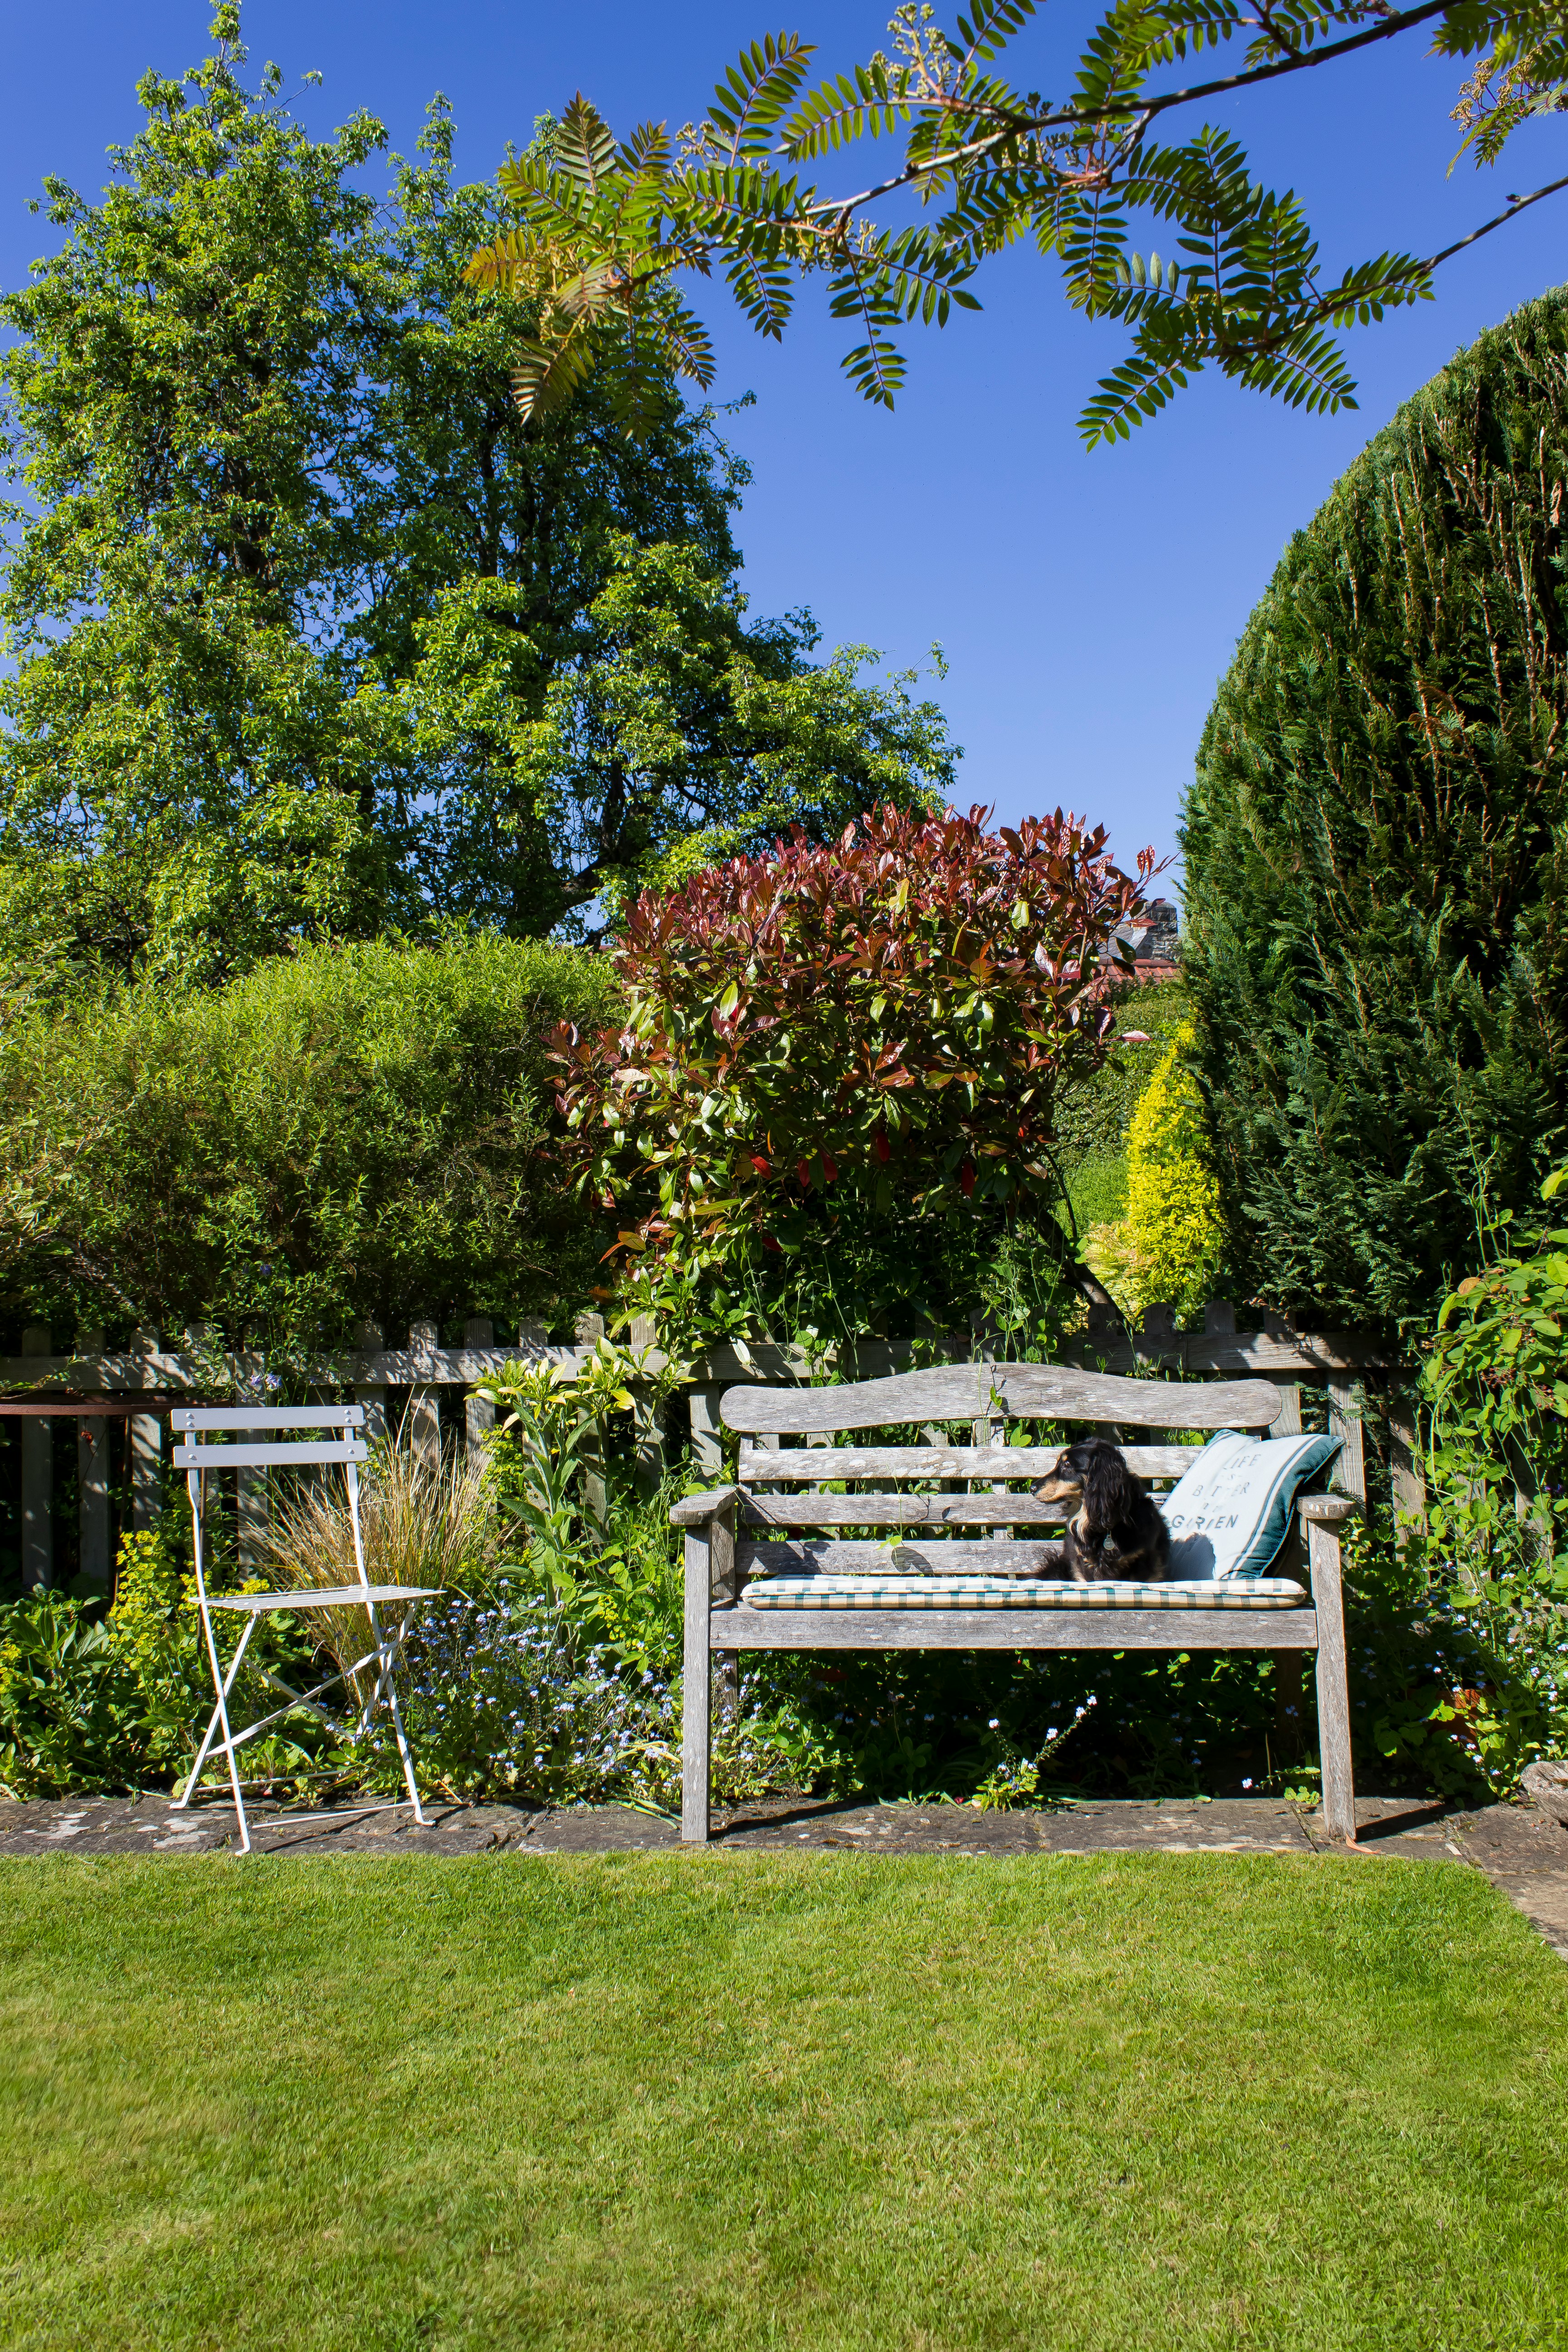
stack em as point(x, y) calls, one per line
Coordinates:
point(834, 1591)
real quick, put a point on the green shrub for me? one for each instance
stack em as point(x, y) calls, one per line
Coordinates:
point(1166, 1247)
point(94, 1699)
point(1376, 853)
point(353, 1132)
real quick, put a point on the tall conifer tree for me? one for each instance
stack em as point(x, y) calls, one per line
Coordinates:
point(1377, 850)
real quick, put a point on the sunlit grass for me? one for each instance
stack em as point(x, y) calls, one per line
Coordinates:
point(811, 2100)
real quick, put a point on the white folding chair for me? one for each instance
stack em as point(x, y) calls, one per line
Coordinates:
point(348, 1450)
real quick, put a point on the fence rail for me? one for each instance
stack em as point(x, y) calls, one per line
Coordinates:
point(1358, 1371)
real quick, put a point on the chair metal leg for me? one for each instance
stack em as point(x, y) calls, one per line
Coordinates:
point(180, 1803)
point(388, 1654)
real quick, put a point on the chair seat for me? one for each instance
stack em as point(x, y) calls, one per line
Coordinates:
point(324, 1596)
point(834, 1591)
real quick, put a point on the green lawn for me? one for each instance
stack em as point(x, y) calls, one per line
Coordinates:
point(1143, 2101)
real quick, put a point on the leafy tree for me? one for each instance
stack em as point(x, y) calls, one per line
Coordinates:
point(1377, 851)
point(850, 1046)
point(293, 580)
point(354, 1131)
point(604, 228)
point(669, 734)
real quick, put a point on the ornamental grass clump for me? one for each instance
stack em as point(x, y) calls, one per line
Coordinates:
point(421, 1523)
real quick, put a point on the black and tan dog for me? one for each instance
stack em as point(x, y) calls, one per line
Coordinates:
point(1114, 1529)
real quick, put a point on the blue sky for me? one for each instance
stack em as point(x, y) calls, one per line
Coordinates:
point(1086, 603)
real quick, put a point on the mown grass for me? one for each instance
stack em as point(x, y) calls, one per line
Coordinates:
point(804, 2101)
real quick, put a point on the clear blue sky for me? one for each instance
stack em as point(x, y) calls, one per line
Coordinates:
point(1086, 603)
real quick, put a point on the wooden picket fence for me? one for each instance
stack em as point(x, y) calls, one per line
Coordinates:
point(426, 1391)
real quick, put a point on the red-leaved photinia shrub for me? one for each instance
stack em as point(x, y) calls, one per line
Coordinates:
point(891, 1016)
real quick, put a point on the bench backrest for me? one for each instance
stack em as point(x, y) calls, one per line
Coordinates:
point(999, 1394)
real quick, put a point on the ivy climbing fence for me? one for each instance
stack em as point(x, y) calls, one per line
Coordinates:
point(114, 1405)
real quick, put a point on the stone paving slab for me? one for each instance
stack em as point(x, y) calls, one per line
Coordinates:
point(1521, 1848)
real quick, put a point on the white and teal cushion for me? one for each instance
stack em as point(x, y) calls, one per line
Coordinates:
point(1231, 1512)
point(836, 1591)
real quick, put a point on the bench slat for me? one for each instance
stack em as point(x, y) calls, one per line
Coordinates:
point(943, 1558)
point(1025, 1392)
point(900, 1511)
point(741, 1628)
point(813, 1463)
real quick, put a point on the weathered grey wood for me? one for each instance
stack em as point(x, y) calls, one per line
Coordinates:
point(1333, 1690)
point(710, 1556)
point(1279, 1355)
point(588, 1330)
point(1288, 1421)
point(1274, 1354)
point(650, 1415)
point(1013, 1629)
point(695, 1510)
point(980, 1510)
point(478, 1412)
point(1219, 1318)
point(1327, 1510)
point(1346, 1407)
point(372, 1394)
point(38, 1475)
point(1024, 1391)
point(946, 1557)
point(1031, 1463)
point(696, 1703)
point(707, 1438)
point(1406, 1465)
point(724, 1573)
point(425, 1395)
point(92, 1489)
point(146, 1452)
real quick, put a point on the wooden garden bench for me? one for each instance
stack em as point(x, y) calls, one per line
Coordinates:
point(776, 1520)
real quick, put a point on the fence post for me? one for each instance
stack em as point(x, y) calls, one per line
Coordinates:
point(707, 1435)
point(372, 1394)
point(588, 1331)
point(479, 1413)
point(252, 1498)
point(425, 1403)
point(650, 1416)
point(146, 1448)
point(92, 1479)
point(1404, 1462)
point(37, 1482)
point(1288, 1420)
point(1346, 1422)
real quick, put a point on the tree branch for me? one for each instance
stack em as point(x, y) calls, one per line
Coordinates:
point(1386, 29)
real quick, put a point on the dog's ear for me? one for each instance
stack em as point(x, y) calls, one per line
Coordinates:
point(1110, 1492)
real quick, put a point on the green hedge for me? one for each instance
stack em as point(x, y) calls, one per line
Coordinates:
point(353, 1132)
point(1375, 850)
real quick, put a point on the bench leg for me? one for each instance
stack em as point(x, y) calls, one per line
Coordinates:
point(1334, 1689)
point(697, 1694)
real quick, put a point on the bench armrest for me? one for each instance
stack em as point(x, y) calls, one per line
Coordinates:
point(1326, 1510)
point(693, 1510)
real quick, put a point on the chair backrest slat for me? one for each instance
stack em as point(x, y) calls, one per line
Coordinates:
point(269, 1416)
point(270, 1457)
point(1017, 1392)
